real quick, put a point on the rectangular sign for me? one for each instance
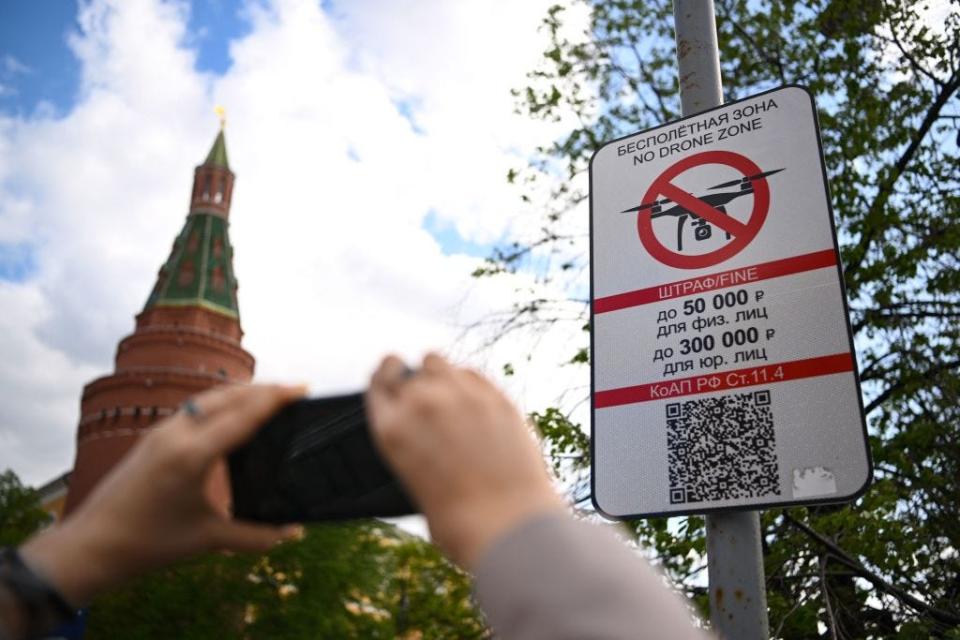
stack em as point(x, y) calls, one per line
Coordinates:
point(723, 373)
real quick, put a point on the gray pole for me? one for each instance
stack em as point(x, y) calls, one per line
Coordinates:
point(738, 595)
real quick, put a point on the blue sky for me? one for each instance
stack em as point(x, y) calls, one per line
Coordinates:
point(35, 35)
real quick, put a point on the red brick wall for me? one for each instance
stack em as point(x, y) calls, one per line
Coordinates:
point(175, 353)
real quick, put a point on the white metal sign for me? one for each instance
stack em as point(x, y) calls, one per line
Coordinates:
point(723, 368)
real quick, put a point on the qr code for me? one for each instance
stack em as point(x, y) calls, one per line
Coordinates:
point(722, 448)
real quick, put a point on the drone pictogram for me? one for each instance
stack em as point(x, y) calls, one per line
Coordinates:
point(702, 229)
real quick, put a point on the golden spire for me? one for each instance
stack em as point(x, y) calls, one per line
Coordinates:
point(222, 114)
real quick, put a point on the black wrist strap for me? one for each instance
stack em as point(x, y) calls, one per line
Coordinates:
point(42, 605)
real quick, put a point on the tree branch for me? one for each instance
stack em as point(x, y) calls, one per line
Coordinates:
point(867, 372)
point(920, 308)
point(914, 63)
point(775, 63)
point(657, 92)
point(876, 580)
point(831, 618)
point(883, 193)
point(903, 382)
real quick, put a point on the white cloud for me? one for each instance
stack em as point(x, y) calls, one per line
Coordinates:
point(37, 412)
point(333, 185)
point(459, 61)
point(12, 65)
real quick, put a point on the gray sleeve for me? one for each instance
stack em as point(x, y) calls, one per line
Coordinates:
point(555, 578)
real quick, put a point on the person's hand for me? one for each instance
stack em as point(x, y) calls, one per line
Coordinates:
point(154, 508)
point(462, 450)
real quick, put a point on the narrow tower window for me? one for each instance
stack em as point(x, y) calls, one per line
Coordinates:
point(221, 191)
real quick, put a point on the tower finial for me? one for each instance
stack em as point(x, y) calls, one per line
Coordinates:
point(222, 114)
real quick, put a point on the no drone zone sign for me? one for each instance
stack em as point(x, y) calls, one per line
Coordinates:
point(723, 374)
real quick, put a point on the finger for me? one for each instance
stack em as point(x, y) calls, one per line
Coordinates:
point(434, 363)
point(212, 401)
point(234, 535)
point(476, 379)
point(377, 402)
point(380, 397)
point(235, 425)
point(217, 485)
point(389, 375)
point(382, 401)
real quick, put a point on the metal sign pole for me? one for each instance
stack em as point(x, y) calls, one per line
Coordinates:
point(738, 597)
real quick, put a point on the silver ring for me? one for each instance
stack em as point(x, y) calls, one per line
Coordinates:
point(190, 408)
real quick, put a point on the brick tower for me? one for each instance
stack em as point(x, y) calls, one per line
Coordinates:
point(187, 337)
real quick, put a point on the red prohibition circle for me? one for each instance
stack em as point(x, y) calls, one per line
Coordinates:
point(742, 233)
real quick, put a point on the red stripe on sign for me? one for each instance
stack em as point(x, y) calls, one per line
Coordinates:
point(749, 377)
point(722, 280)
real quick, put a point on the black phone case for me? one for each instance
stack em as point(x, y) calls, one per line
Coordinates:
point(314, 461)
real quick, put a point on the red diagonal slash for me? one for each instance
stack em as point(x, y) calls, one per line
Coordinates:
point(699, 207)
point(741, 234)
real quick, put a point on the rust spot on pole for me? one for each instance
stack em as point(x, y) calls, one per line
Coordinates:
point(719, 596)
point(738, 595)
point(683, 48)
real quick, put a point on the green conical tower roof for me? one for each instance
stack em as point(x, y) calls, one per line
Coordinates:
point(199, 271)
point(218, 153)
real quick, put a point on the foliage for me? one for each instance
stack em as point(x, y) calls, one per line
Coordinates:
point(565, 441)
point(357, 580)
point(364, 579)
point(20, 513)
point(886, 79)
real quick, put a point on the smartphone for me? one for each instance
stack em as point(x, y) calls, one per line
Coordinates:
point(314, 461)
